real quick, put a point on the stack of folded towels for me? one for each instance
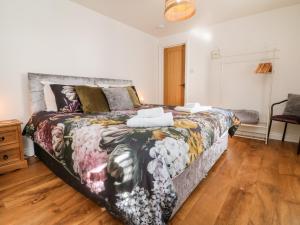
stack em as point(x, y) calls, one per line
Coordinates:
point(154, 117)
point(192, 108)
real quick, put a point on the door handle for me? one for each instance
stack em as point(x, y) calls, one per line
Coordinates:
point(182, 85)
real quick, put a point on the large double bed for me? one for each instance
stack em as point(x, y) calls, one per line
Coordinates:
point(141, 175)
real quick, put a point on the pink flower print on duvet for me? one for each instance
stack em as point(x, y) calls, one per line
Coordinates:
point(43, 136)
point(90, 161)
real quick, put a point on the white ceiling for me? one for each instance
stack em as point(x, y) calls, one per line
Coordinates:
point(147, 15)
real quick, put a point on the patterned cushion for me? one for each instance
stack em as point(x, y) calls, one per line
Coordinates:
point(66, 98)
point(118, 98)
point(293, 105)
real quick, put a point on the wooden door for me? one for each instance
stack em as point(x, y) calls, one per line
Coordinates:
point(174, 75)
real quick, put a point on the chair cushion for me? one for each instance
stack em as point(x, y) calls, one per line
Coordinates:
point(293, 105)
point(287, 118)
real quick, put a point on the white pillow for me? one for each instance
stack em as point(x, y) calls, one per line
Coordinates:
point(49, 97)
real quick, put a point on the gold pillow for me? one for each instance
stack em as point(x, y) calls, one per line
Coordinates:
point(92, 99)
point(133, 96)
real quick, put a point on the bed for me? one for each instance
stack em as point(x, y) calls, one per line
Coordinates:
point(140, 175)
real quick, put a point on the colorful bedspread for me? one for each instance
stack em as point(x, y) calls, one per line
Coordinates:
point(132, 169)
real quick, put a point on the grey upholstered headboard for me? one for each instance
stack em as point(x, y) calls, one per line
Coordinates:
point(36, 87)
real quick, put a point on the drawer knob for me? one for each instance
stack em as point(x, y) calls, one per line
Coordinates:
point(2, 138)
point(5, 157)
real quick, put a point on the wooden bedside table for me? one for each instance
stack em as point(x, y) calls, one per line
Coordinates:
point(11, 146)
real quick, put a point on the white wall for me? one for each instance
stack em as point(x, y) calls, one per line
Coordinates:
point(237, 85)
point(62, 37)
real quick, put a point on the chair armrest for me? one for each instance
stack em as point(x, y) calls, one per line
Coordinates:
point(276, 103)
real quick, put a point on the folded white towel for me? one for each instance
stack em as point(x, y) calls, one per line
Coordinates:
point(150, 113)
point(192, 105)
point(162, 121)
point(193, 110)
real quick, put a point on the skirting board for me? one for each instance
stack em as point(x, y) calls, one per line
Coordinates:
point(292, 133)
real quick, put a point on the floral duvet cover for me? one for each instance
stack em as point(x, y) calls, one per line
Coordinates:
point(131, 169)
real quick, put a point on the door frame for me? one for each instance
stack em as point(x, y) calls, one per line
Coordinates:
point(161, 69)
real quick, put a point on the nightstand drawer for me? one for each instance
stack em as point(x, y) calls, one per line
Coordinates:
point(9, 156)
point(9, 147)
point(8, 136)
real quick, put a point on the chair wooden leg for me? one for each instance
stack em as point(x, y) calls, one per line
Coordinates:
point(283, 136)
point(269, 130)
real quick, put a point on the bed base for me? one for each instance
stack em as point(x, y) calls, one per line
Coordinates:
point(184, 183)
point(189, 179)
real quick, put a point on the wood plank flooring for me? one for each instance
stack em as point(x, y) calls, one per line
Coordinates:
point(252, 184)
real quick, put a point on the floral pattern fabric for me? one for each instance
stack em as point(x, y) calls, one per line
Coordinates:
point(66, 98)
point(131, 168)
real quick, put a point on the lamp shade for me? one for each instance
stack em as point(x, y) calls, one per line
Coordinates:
point(178, 10)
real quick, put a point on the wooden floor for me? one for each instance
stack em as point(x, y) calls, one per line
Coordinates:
point(251, 184)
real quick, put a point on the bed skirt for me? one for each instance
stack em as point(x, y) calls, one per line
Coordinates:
point(189, 179)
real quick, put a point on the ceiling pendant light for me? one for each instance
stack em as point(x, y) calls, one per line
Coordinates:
point(178, 10)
